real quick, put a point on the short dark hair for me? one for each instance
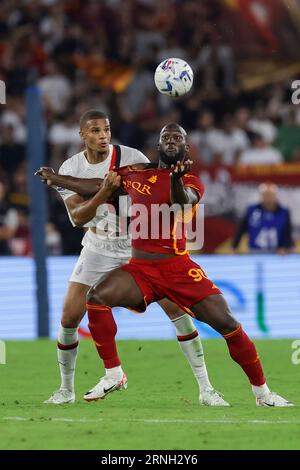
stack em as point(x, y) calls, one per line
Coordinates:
point(91, 114)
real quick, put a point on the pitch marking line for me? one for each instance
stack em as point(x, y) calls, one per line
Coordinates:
point(155, 421)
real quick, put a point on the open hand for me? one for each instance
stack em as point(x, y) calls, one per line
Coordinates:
point(181, 168)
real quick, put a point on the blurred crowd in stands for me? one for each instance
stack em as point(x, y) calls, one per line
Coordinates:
point(39, 38)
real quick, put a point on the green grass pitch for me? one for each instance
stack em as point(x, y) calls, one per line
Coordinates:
point(160, 408)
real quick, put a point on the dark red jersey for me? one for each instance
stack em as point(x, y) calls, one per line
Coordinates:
point(154, 228)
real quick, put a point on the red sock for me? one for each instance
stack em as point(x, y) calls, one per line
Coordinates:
point(103, 329)
point(243, 351)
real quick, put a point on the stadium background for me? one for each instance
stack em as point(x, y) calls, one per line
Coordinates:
point(102, 54)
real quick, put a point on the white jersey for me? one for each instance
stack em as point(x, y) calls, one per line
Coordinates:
point(105, 238)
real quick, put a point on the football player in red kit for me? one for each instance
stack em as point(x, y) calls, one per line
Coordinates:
point(162, 268)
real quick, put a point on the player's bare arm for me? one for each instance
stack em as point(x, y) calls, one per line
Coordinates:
point(82, 186)
point(181, 194)
point(85, 187)
point(82, 211)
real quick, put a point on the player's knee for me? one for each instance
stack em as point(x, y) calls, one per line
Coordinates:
point(228, 326)
point(171, 309)
point(224, 322)
point(94, 296)
point(70, 320)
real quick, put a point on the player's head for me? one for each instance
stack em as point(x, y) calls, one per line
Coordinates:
point(268, 195)
point(173, 145)
point(95, 130)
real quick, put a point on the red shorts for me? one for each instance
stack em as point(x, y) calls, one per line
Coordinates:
point(177, 278)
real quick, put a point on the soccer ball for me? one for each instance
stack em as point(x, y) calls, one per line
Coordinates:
point(173, 77)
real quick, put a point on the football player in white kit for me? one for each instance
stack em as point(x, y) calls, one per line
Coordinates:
point(103, 250)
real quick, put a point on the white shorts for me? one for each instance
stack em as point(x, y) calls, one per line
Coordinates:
point(92, 267)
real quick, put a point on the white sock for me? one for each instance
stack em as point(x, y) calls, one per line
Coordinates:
point(260, 391)
point(192, 349)
point(67, 357)
point(115, 372)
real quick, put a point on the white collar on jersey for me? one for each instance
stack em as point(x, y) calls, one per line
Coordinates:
point(108, 159)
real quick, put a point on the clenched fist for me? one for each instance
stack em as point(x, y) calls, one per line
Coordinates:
point(45, 173)
point(111, 182)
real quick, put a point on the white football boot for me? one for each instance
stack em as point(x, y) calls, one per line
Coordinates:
point(272, 399)
point(61, 397)
point(210, 397)
point(106, 385)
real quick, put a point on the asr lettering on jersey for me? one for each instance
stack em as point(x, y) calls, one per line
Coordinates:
point(138, 186)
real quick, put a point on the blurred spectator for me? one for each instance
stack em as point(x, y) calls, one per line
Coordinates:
point(261, 153)
point(241, 117)
point(13, 115)
point(70, 236)
point(118, 39)
point(20, 243)
point(52, 26)
point(216, 59)
point(233, 140)
point(11, 153)
point(53, 240)
point(259, 123)
point(228, 142)
point(18, 195)
point(139, 89)
point(64, 139)
point(205, 137)
point(8, 221)
point(55, 88)
point(171, 49)
point(267, 224)
point(218, 145)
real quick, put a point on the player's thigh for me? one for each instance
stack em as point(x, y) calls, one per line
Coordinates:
point(118, 288)
point(74, 306)
point(92, 266)
point(215, 311)
point(172, 310)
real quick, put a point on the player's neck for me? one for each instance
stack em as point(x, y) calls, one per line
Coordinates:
point(94, 156)
point(162, 164)
point(165, 162)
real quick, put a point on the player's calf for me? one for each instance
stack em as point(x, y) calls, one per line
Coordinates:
point(67, 351)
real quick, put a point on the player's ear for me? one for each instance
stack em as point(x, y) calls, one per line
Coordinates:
point(187, 149)
point(81, 134)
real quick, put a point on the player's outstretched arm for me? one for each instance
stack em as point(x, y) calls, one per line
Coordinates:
point(82, 186)
point(82, 211)
point(181, 194)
